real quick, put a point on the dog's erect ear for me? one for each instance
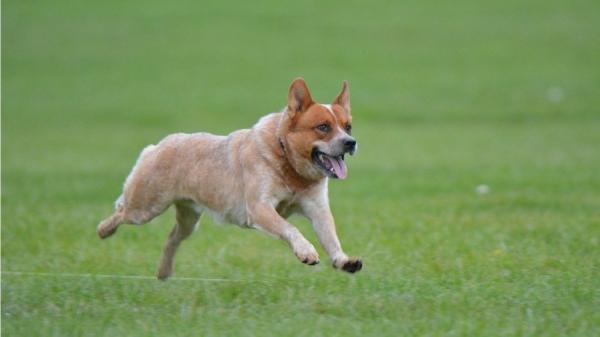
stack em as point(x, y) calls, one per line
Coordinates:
point(299, 98)
point(343, 98)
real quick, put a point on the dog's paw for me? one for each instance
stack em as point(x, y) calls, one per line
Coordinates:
point(306, 253)
point(105, 231)
point(163, 274)
point(350, 265)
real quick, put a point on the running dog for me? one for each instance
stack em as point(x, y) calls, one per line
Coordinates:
point(255, 178)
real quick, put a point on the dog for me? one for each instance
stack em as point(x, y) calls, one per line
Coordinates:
point(255, 178)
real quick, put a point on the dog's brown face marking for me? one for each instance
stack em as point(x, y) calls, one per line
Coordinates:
point(318, 135)
point(316, 126)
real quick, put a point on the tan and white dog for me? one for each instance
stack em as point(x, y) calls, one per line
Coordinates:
point(255, 178)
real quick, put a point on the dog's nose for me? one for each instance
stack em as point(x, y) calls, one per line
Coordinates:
point(350, 145)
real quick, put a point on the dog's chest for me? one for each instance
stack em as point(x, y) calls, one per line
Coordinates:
point(237, 213)
point(285, 203)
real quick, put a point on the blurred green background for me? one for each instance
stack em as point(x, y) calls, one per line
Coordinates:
point(446, 96)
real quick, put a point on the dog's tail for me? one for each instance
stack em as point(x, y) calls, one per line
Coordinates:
point(119, 203)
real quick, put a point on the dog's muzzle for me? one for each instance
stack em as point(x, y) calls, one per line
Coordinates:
point(333, 163)
point(350, 146)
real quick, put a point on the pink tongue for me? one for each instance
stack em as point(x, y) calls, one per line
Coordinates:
point(339, 167)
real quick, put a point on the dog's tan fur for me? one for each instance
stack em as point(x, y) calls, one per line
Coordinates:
point(254, 178)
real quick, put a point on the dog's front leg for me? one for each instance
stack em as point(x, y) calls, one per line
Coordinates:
point(265, 217)
point(318, 211)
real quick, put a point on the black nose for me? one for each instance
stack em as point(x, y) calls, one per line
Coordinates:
point(350, 145)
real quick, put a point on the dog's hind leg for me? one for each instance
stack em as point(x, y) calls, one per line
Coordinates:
point(143, 198)
point(109, 225)
point(126, 214)
point(187, 220)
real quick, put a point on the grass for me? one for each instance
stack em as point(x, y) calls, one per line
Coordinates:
point(446, 97)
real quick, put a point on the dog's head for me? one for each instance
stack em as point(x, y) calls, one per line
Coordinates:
point(317, 136)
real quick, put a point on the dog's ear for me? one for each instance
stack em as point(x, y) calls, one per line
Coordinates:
point(343, 98)
point(299, 98)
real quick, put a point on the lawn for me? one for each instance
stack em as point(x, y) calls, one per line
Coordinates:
point(446, 97)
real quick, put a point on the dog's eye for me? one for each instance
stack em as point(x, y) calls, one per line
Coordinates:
point(349, 128)
point(324, 128)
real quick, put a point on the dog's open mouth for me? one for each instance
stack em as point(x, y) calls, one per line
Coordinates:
point(334, 167)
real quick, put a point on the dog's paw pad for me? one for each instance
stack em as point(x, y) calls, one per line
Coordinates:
point(310, 262)
point(352, 266)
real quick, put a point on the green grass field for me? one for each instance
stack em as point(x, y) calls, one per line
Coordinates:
point(446, 97)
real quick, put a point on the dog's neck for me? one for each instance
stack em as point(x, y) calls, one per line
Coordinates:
point(281, 126)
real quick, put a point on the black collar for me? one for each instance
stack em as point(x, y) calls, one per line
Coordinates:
point(281, 145)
